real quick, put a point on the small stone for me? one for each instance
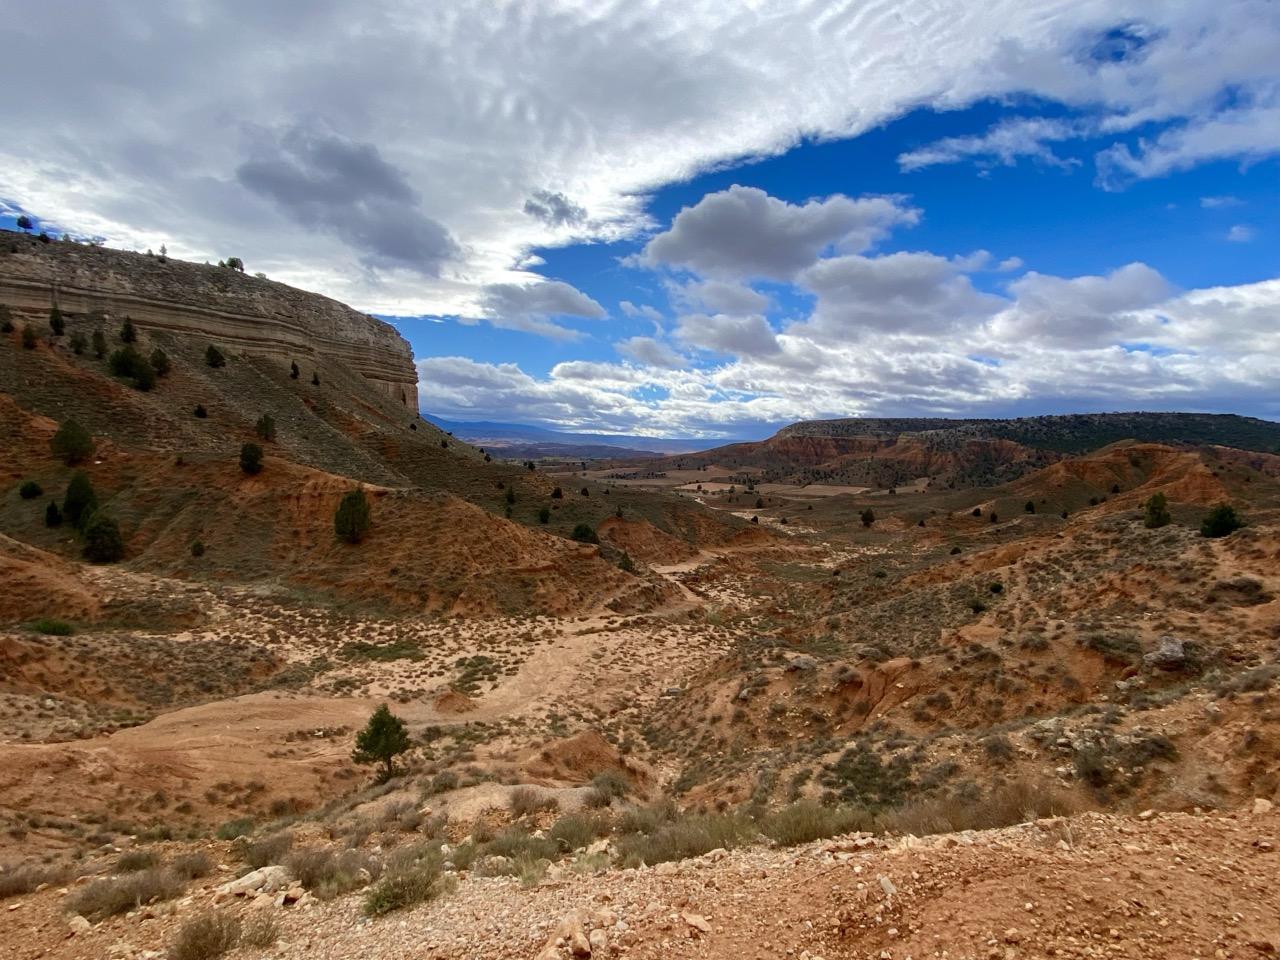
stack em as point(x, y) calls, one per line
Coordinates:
point(79, 924)
point(1261, 806)
point(697, 921)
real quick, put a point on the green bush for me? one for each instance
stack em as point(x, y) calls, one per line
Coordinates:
point(80, 501)
point(808, 820)
point(1156, 512)
point(234, 829)
point(127, 332)
point(130, 364)
point(1221, 521)
point(414, 876)
point(584, 534)
point(102, 540)
point(56, 323)
point(265, 428)
point(189, 866)
point(72, 443)
point(206, 936)
point(79, 344)
point(687, 836)
point(251, 459)
point(52, 515)
point(352, 519)
point(99, 344)
point(544, 515)
point(53, 627)
point(110, 897)
point(30, 490)
point(214, 358)
point(160, 362)
point(131, 861)
point(28, 338)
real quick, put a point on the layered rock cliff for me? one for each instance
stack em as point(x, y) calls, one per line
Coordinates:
point(235, 311)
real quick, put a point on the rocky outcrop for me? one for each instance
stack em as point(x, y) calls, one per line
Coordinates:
point(242, 313)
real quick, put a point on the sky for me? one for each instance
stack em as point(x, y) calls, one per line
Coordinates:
point(700, 218)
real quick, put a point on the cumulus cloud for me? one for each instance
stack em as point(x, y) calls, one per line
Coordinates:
point(747, 336)
point(717, 296)
point(554, 208)
point(530, 307)
point(1241, 233)
point(919, 294)
point(1080, 312)
point(1005, 143)
point(651, 352)
point(478, 114)
point(743, 232)
point(321, 180)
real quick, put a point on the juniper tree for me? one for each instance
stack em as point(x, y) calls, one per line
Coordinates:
point(251, 458)
point(102, 540)
point(56, 323)
point(71, 443)
point(868, 517)
point(80, 500)
point(383, 739)
point(160, 362)
point(127, 332)
point(28, 338)
point(351, 521)
point(99, 344)
point(1221, 521)
point(213, 357)
point(52, 515)
point(1156, 512)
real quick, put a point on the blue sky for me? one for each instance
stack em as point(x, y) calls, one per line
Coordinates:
point(698, 218)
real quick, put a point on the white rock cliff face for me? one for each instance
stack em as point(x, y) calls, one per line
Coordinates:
point(252, 316)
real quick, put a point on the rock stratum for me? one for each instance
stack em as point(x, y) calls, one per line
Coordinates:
point(235, 311)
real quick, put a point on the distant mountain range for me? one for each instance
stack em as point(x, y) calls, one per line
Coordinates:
point(524, 440)
point(885, 452)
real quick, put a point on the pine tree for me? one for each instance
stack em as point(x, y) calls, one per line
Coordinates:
point(102, 540)
point(52, 515)
point(160, 362)
point(72, 443)
point(382, 740)
point(78, 343)
point(1221, 521)
point(265, 428)
point(352, 519)
point(251, 458)
point(127, 332)
point(1156, 512)
point(293, 370)
point(80, 501)
point(56, 323)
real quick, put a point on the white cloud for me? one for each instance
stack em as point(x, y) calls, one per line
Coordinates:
point(651, 352)
point(743, 232)
point(717, 296)
point(1241, 233)
point(544, 122)
point(1004, 143)
point(743, 336)
point(1081, 312)
point(640, 311)
point(1217, 203)
point(529, 307)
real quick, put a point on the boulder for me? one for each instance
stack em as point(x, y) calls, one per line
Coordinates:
point(1261, 805)
point(268, 880)
point(79, 924)
point(1169, 654)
